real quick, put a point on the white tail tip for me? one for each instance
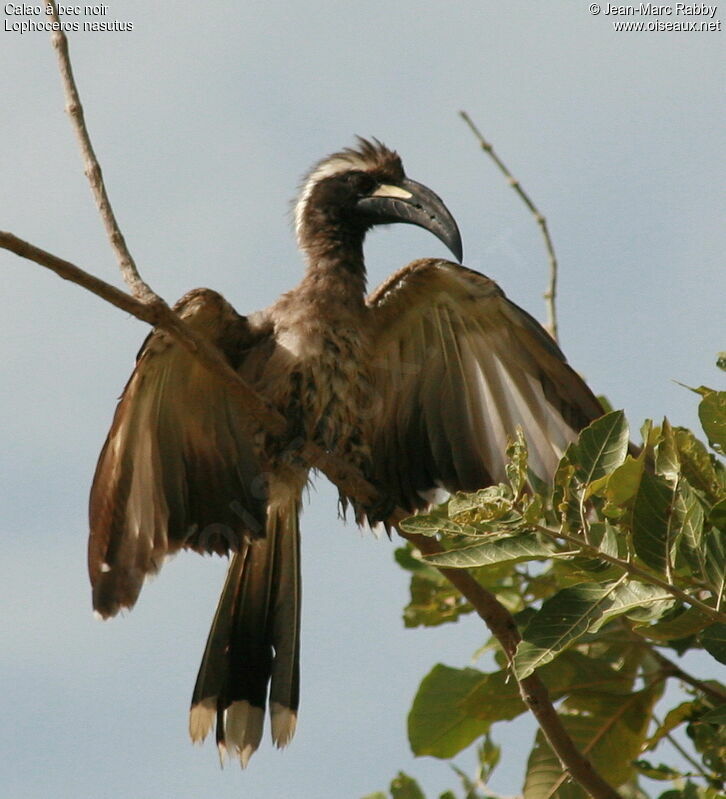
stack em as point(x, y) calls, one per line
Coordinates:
point(201, 717)
point(283, 722)
point(243, 730)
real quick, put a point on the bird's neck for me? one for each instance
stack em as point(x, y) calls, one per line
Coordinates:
point(337, 272)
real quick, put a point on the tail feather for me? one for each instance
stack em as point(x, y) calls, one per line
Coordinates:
point(285, 682)
point(254, 642)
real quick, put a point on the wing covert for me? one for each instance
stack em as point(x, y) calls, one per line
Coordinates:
point(457, 368)
point(178, 469)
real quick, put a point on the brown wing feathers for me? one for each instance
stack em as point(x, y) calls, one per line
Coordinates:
point(178, 468)
point(460, 367)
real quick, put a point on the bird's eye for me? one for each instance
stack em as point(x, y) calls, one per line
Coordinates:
point(362, 182)
point(367, 183)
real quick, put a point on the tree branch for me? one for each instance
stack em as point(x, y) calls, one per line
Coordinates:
point(532, 690)
point(92, 169)
point(550, 296)
point(159, 315)
point(671, 669)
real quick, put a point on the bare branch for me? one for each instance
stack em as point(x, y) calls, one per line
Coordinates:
point(699, 772)
point(92, 168)
point(160, 315)
point(550, 296)
point(673, 670)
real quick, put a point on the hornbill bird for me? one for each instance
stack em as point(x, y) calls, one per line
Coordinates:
point(418, 385)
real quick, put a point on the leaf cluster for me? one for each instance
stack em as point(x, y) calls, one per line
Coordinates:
point(619, 561)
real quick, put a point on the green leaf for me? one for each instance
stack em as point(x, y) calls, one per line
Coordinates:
point(713, 639)
point(516, 548)
point(640, 602)
point(434, 524)
point(674, 718)
point(709, 740)
point(688, 791)
point(715, 716)
point(659, 772)
point(516, 467)
point(697, 465)
point(601, 447)
point(533, 510)
point(626, 654)
point(688, 516)
point(651, 519)
point(649, 434)
point(605, 402)
point(538, 485)
point(453, 707)
point(405, 558)
point(489, 755)
point(717, 516)
point(405, 787)
point(631, 790)
point(572, 612)
point(575, 673)
point(667, 462)
point(605, 537)
point(438, 724)
point(485, 510)
point(715, 560)
point(610, 738)
point(497, 696)
point(621, 485)
point(433, 602)
point(377, 795)
point(684, 623)
point(565, 496)
point(712, 413)
point(561, 620)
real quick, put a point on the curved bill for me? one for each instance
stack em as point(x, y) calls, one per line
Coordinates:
point(414, 204)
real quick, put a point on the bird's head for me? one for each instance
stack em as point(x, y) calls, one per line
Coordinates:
point(349, 192)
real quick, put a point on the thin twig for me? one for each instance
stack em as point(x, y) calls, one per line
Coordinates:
point(682, 752)
point(672, 669)
point(550, 296)
point(139, 288)
point(159, 315)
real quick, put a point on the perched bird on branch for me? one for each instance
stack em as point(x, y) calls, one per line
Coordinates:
point(418, 386)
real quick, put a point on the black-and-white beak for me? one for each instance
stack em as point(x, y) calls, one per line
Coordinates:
point(415, 204)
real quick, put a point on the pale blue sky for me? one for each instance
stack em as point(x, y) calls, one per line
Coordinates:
point(204, 118)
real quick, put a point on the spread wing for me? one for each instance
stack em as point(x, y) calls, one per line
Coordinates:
point(178, 469)
point(457, 368)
